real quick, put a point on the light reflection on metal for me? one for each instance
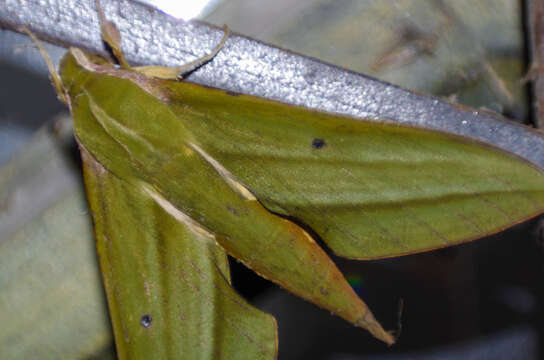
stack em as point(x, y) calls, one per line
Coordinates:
point(183, 9)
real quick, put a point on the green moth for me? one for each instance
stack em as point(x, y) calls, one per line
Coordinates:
point(178, 175)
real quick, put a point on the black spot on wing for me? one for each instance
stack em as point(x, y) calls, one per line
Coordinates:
point(318, 143)
point(145, 320)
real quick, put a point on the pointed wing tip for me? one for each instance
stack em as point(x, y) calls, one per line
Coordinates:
point(369, 322)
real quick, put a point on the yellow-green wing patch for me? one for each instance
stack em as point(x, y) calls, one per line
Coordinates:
point(368, 189)
point(139, 139)
point(168, 285)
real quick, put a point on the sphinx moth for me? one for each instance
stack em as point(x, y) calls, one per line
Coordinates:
point(178, 175)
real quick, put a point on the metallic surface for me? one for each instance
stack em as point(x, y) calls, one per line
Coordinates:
point(251, 67)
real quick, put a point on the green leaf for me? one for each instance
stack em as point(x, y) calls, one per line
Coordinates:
point(368, 189)
point(52, 303)
point(168, 283)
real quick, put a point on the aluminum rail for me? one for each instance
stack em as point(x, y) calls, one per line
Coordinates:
point(252, 67)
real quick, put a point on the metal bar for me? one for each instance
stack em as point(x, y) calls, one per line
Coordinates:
point(251, 67)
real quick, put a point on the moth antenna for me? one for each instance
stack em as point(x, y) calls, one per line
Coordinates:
point(53, 75)
point(112, 36)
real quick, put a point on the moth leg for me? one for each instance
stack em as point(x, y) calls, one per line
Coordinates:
point(112, 36)
point(53, 75)
point(195, 64)
point(174, 73)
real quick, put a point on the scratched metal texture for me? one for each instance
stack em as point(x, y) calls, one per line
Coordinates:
point(251, 67)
